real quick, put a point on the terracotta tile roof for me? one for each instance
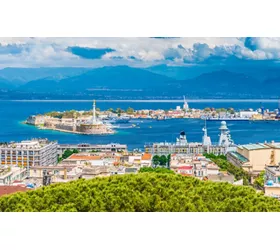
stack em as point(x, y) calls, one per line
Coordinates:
point(146, 157)
point(185, 168)
point(11, 189)
point(84, 157)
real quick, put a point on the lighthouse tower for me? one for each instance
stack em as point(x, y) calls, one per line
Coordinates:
point(225, 138)
point(93, 112)
point(206, 140)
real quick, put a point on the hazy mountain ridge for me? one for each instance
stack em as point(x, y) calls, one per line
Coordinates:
point(110, 82)
point(24, 75)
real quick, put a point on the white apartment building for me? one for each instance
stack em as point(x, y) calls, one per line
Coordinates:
point(28, 153)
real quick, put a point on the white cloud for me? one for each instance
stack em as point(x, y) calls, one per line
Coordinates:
point(139, 52)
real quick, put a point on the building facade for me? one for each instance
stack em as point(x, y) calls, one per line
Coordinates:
point(29, 153)
point(253, 158)
point(85, 147)
point(10, 174)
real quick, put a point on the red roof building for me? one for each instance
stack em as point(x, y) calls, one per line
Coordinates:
point(185, 170)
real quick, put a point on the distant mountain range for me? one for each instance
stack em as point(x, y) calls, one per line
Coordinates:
point(18, 76)
point(123, 82)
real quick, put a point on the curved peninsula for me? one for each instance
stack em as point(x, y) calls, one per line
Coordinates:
point(72, 122)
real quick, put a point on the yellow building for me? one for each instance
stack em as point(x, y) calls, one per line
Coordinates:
point(255, 157)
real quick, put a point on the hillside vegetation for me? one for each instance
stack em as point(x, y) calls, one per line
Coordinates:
point(140, 192)
point(225, 165)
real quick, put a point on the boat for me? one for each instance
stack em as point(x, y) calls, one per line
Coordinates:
point(123, 119)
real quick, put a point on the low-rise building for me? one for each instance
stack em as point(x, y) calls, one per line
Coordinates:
point(85, 147)
point(193, 164)
point(185, 170)
point(253, 158)
point(146, 160)
point(9, 174)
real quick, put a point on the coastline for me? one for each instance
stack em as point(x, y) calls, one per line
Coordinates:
point(66, 131)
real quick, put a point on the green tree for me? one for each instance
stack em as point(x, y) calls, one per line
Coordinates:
point(151, 190)
point(68, 153)
point(259, 181)
point(207, 109)
point(162, 160)
point(237, 172)
point(130, 111)
point(156, 160)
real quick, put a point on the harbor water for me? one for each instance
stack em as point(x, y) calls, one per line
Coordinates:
point(137, 134)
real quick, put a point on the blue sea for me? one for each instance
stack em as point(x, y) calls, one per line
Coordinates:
point(13, 113)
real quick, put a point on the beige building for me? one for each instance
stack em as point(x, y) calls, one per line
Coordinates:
point(255, 157)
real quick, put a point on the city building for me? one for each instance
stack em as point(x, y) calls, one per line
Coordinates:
point(198, 166)
point(185, 170)
point(29, 153)
point(255, 157)
point(146, 160)
point(85, 147)
point(10, 174)
point(36, 120)
point(272, 181)
point(58, 173)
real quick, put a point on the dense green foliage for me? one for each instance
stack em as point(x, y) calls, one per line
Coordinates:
point(140, 192)
point(160, 160)
point(259, 181)
point(130, 111)
point(156, 170)
point(225, 165)
point(69, 114)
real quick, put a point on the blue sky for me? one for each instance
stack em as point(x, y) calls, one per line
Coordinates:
point(137, 52)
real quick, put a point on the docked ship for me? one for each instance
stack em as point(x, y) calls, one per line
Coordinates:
point(182, 146)
point(119, 120)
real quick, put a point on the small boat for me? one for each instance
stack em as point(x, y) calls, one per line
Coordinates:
point(150, 127)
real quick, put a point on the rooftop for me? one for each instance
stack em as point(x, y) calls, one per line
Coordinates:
point(146, 157)
point(84, 157)
point(240, 157)
point(28, 144)
point(254, 146)
point(185, 168)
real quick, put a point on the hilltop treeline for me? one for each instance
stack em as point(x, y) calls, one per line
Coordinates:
point(140, 192)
